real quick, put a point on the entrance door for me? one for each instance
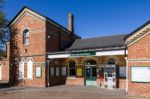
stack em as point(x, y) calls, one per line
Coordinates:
point(90, 75)
point(0, 72)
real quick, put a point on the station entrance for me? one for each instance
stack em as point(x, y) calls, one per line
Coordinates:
point(90, 70)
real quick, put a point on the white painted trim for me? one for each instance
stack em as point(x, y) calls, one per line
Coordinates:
point(115, 52)
point(59, 56)
point(126, 74)
point(139, 60)
point(99, 53)
point(138, 39)
point(29, 13)
point(138, 33)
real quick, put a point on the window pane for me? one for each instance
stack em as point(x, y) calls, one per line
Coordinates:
point(63, 71)
point(21, 70)
point(26, 37)
point(27, 34)
point(57, 71)
point(27, 41)
point(122, 72)
point(72, 71)
point(52, 71)
point(30, 69)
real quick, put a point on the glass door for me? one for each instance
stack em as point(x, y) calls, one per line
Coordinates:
point(91, 75)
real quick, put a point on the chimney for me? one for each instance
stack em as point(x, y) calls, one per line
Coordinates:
point(70, 23)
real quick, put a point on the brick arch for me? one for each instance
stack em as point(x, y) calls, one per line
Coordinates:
point(29, 59)
point(22, 59)
point(72, 59)
point(90, 58)
point(111, 57)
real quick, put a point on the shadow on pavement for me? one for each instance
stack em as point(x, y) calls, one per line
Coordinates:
point(4, 84)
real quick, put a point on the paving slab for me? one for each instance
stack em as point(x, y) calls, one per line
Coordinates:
point(64, 92)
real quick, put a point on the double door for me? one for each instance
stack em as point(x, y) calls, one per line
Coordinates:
point(91, 75)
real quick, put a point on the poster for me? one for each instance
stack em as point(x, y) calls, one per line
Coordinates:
point(140, 74)
point(79, 71)
point(38, 72)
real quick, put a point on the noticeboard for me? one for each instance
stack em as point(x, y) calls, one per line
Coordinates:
point(79, 71)
point(38, 72)
point(140, 74)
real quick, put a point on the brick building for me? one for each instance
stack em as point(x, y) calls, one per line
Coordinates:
point(138, 62)
point(52, 55)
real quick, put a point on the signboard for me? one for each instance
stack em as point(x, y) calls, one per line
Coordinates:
point(38, 72)
point(122, 71)
point(79, 71)
point(78, 54)
point(140, 74)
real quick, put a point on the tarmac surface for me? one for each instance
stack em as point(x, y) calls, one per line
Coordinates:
point(64, 92)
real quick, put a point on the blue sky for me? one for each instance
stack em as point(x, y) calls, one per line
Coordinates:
point(92, 17)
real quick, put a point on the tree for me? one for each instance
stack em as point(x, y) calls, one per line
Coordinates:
point(14, 58)
point(4, 34)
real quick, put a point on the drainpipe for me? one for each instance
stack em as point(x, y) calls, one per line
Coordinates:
point(126, 58)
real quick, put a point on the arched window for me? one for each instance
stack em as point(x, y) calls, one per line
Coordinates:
point(111, 62)
point(26, 37)
point(72, 69)
point(30, 69)
point(21, 69)
point(90, 62)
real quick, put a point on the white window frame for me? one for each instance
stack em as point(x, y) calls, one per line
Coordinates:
point(30, 69)
point(26, 37)
point(21, 69)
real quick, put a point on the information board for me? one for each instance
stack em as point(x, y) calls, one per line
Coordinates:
point(140, 74)
point(38, 72)
point(79, 71)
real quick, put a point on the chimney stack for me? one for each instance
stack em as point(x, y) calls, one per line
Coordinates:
point(70, 23)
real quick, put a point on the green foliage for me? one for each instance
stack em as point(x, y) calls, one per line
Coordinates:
point(4, 34)
point(2, 53)
point(14, 58)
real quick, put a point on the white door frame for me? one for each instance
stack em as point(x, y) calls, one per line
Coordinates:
point(21, 69)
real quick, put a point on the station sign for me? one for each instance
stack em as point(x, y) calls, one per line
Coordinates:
point(79, 54)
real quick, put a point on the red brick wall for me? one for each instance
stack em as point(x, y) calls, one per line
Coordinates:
point(5, 70)
point(75, 81)
point(36, 47)
point(56, 39)
point(139, 50)
point(52, 38)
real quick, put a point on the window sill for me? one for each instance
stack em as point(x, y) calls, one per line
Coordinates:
point(20, 78)
point(29, 78)
point(26, 45)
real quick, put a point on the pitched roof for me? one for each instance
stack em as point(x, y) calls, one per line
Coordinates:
point(139, 28)
point(98, 42)
point(47, 18)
